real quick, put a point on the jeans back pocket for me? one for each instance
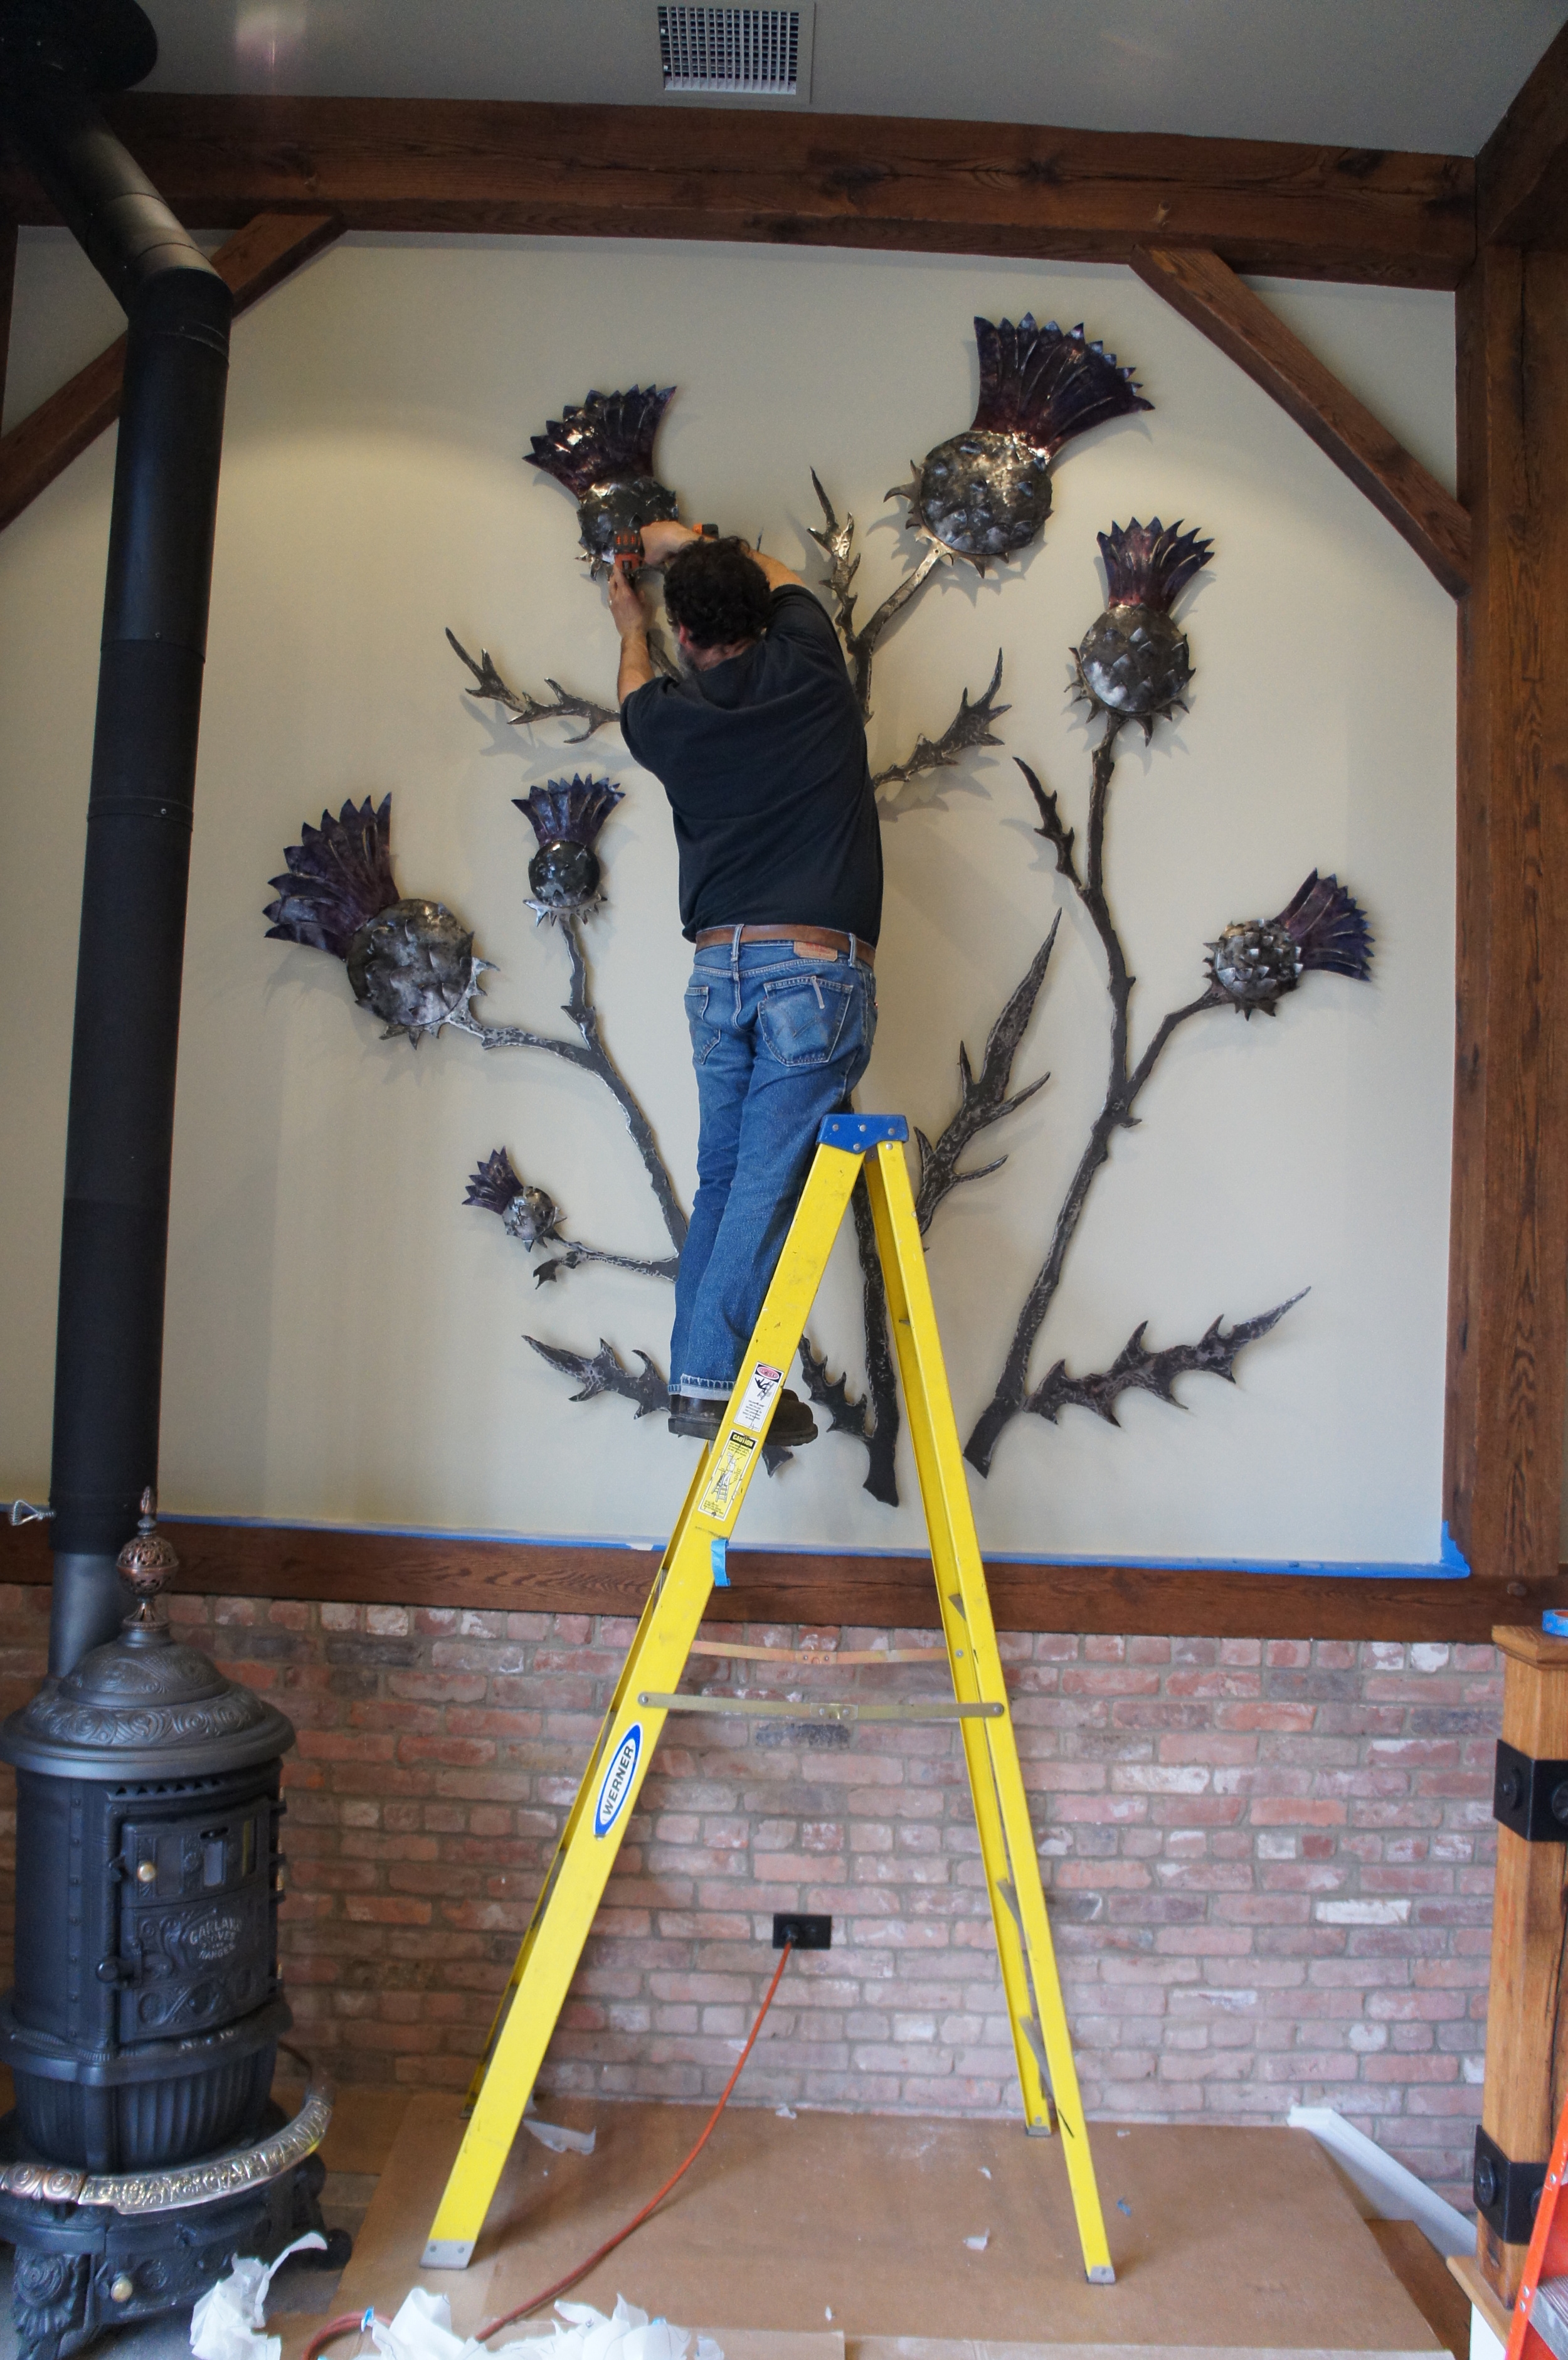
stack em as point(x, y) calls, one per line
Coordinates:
point(704, 1036)
point(807, 1019)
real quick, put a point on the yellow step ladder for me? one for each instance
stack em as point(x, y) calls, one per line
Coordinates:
point(646, 1692)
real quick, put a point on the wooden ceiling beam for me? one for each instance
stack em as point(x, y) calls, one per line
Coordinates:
point(1212, 299)
point(45, 443)
point(1522, 173)
point(882, 182)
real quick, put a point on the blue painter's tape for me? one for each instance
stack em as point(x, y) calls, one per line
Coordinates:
point(1450, 1567)
point(861, 1132)
point(1450, 1558)
point(720, 1561)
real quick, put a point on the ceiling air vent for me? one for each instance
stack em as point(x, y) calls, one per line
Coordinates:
point(737, 53)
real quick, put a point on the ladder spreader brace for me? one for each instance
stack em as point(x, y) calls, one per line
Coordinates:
point(649, 1683)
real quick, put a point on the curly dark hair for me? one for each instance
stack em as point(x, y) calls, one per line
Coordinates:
point(717, 592)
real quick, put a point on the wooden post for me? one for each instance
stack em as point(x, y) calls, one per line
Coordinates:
point(1509, 1240)
point(1527, 2025)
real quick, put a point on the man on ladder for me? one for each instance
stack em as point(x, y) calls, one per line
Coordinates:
point(762, 749)
point(649, 1690)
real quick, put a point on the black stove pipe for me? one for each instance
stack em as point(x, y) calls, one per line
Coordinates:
point(120, 1134)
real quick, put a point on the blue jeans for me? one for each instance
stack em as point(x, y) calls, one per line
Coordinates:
point(779, 1041)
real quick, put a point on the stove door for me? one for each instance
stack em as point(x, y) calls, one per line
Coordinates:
point(196, 1938)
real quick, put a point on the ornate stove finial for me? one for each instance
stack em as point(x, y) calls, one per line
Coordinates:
point(148, 1561)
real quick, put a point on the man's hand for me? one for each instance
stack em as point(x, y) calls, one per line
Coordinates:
point(630, 618)
point(626, 608)
point(661, 539)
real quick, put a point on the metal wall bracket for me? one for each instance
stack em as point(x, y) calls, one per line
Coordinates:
point(1530, 1798)
point(1507, 2193)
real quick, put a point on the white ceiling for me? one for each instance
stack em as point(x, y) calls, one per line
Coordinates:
point(1366, 73)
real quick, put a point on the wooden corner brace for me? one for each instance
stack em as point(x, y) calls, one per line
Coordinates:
point(1222, 307)
point(251, 263)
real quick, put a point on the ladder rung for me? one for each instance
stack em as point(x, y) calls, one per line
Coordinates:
point(760, 1708)
point(821, 1655)
point(1549, 2316)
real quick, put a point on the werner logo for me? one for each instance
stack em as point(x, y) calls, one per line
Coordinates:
point(616, 1782)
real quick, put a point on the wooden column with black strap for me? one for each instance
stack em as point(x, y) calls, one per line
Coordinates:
point(1527, 2024)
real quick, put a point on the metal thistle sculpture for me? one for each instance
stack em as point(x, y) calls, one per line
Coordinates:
point(1251, 965)
point(533, 1218)
point(1256, 962)
point(601, 451)
point(410, 962)
point(980, 496)
point(566, 815)
point(984, 495)
point(1135, 661)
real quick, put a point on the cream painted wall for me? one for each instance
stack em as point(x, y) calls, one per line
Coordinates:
point(346, 1338)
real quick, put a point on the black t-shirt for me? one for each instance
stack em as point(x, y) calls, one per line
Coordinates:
point(763, 759)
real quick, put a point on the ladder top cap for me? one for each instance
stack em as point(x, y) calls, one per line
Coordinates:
point(859, 1133)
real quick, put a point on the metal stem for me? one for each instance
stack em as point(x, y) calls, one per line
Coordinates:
point(1116, 1113)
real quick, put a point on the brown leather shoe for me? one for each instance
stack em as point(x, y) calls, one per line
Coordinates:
point(793, 1427)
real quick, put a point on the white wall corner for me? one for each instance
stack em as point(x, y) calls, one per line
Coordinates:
point(1397, 2193)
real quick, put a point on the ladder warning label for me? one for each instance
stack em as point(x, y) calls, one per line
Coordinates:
point(616, 1782)
point(761, 1386)
point(729, 1473)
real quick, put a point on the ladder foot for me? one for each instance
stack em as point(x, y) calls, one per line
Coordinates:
point(447, 2254)
point(1102, 2274)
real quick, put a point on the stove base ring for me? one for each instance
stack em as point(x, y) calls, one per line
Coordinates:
point(83, 2269)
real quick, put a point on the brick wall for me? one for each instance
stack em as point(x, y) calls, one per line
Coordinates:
point(1270, 1866)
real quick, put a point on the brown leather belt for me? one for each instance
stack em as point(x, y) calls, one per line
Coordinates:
point(811, 938)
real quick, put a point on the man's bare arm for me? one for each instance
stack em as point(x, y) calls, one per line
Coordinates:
point(779, 577)
point(630, 619)
point(660, 542)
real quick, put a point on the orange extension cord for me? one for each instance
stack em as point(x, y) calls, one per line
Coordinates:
point(348, 2320)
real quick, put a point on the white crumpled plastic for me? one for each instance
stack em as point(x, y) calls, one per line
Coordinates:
point(423, 2331)
point(556, 2136)
point(225, 2324)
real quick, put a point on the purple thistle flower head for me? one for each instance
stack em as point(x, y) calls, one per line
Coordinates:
point(1134, 663)
point(525, 1213)
point(1257, 961)
point(494, 1185)
point(601, 451)
point(1047, 385)
point(1150, 564)
point(605, 439)
point(569, 810)
point(566, 815)
point(984, 494)
point(339, 877)
point(410, 962)
point(1329, 927)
